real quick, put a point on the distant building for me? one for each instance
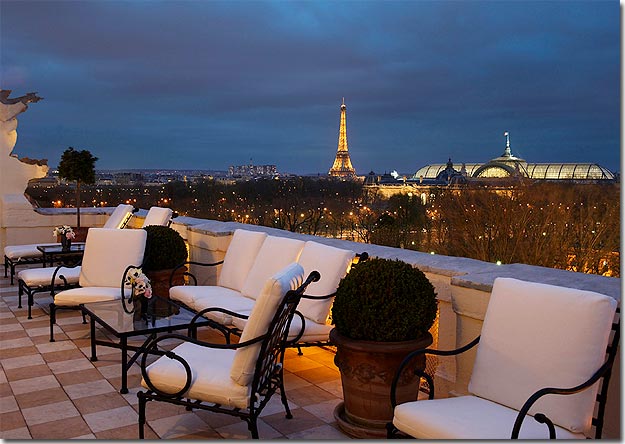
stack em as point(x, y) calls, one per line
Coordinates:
point(251, 171)
point(342, 166)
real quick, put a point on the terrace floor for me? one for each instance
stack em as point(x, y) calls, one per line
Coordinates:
point(51, 390)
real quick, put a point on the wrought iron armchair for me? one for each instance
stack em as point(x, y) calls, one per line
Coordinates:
point(535, 339)
point(108, 253)
point(234, 379)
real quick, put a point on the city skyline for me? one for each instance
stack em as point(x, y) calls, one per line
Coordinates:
point(206, 85)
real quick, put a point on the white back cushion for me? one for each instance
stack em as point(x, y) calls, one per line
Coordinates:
point(107, 254)
point(118, 216)
point(274, 290)
point(537, 335)
point(333, 264)
point(239, 258)
point(275, 254)
point(157, 216)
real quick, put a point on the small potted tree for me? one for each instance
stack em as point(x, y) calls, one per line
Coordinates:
point(382, 311)
point(79, 167)
point(165, 250)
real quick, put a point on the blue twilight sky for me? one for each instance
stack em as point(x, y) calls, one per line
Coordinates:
point(208, 84)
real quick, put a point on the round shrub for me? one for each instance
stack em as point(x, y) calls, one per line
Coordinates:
point(384, 300)
point(164, 248)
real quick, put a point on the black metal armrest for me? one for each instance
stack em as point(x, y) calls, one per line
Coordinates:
point(201, 313)
point(53, 286)
point(328, 296)
point(153, 345)
point(185, 263)
point(542, 418)
point(426, 351)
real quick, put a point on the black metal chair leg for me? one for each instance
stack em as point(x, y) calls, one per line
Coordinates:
point(52, 320)
point(285, 401)
point(20, 292)
point(142, 403)
point(253, 427)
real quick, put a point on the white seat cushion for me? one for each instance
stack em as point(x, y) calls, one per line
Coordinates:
point(333, 264)
point(239, 258)
point(108, 252)
point(275, 254)
point(313, 331)
point(467, 417)
point(34, 277)
point(16, 252)
point(84, 295)
point(157, 216)
point(260, 319)
point(210, 369)
point(206, 296)
point(119, 216)
point(537, 335)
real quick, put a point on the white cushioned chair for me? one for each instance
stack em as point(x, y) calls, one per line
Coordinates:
point(251, 258)
point(158, 216)
point(541, 351)
point(236, 379)
point(108, 253)
point(29, 254)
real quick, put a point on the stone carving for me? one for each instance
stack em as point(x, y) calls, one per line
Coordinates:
point(14, 172)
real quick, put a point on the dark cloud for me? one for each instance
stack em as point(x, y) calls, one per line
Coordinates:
point(211, 83)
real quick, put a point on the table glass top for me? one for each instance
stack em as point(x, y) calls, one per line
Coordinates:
point(161, 314)
point(76, 247)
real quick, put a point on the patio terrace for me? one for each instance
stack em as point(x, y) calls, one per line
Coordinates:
point(53, 390)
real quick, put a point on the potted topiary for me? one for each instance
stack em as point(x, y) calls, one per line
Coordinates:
point(165, 250)
point(382, 311)
point(78, 166)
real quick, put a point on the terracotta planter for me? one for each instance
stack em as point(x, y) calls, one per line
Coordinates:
point(367, 371)
point(159, 279)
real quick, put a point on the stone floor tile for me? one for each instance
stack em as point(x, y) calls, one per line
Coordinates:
point(21, 433)
point(72, 365)
point(215, 420)
point(8, 404)
point(3, 376)
point(79, 377)
point(319, 374)
point(33, 384)
point(302, 420)
point(177, 426)
point(322, 432)
point(324, 410)
point(335, 387)
point(158, 410)
point(14, 334)
point(68, 428)
point(21, 361)
point(275, 406)
point(49, 347)
point(97, 403)
point(239, 430)
point(129, 432)
point(49, 412)
point(299, 363)
point(292, 382)
point(18, 351)
point(15, 343)
point(41, 397)
point(33, 371)
point(309, 395)
point(5, 390)
point(63, 355)
point(87, 389)
point(111, 419)
point(11, 420)
point(8, 326)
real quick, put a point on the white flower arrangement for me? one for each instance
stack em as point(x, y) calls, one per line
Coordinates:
point(139, 282)
point(64, 230)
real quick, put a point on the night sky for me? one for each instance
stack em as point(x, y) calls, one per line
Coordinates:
point(208, 84)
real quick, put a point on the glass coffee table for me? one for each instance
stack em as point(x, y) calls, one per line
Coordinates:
point(52, 252)
point(111, 316)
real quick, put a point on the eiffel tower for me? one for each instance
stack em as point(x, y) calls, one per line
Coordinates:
point(342, 166)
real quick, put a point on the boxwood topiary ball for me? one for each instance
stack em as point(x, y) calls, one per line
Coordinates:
point(164, 248)
point(384, 300)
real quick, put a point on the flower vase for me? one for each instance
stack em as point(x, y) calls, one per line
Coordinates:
point(66, 243)
point(140, 305)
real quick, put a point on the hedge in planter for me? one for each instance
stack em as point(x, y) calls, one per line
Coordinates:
point(382, 311)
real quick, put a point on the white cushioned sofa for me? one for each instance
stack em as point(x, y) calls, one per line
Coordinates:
point(251, 259)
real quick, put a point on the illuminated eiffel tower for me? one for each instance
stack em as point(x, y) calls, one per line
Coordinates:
point(342, 166)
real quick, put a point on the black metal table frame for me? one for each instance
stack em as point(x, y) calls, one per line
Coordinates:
point(151, 331)
point(56, 251)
